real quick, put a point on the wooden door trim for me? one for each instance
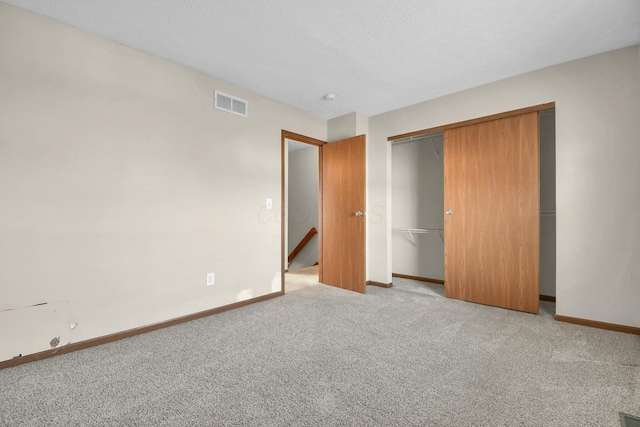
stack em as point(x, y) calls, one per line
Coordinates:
point(475, 121)
point(301, 138)
point(284, 135)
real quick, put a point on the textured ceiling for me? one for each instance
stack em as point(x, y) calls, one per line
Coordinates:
point(377, 55)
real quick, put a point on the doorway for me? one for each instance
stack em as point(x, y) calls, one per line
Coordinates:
point(418, 209)
point(300, 214)
point(341, 211)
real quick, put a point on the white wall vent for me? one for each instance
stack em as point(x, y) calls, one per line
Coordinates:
point(230, 104)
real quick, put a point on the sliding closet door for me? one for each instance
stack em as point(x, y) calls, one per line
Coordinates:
point(491, 199)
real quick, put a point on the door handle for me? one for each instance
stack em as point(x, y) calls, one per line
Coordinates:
point(448, 212)
point(359, 213)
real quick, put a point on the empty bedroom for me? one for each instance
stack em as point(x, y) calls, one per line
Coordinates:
point(454, 184)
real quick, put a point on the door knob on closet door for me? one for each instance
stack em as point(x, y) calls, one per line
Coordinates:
point(448, 212)
point(359, 213)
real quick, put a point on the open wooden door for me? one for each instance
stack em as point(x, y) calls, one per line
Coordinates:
point(343, 214)
point(492, 203)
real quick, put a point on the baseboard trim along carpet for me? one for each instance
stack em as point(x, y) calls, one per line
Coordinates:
point(81, 345)
point(420, 279)
point(547, 298)
point(599, 325)
point(379, 284)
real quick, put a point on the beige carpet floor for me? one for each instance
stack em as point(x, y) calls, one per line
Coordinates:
point(322, 356)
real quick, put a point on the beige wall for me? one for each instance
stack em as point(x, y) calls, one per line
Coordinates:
point(342, 127)
point(122, 186)
point(347, 126)
point(597, 157)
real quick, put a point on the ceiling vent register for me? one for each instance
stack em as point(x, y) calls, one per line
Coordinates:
point(230, 104)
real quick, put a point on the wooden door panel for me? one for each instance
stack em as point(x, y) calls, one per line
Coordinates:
point(491, 177)
point(343, 194)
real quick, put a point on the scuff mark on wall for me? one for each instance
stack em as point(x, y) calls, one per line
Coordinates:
point(54, 342)
point(29, 330)
point(34, 305)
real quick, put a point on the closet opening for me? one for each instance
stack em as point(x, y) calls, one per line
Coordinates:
point(418, 211)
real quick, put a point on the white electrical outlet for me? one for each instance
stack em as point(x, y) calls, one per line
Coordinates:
point(210, 279)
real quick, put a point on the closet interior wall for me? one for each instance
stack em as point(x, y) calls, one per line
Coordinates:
point(548, 202)
point(418, 203)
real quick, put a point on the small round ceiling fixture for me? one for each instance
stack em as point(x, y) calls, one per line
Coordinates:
point(329, 96)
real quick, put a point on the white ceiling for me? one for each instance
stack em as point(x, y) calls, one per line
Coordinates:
point(377, 55)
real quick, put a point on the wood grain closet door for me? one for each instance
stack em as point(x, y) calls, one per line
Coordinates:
point(343, 214)
point(492, 235)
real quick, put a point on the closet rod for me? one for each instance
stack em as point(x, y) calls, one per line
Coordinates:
point(416, 138)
